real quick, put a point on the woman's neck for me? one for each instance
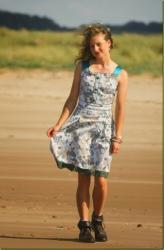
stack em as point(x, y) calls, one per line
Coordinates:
point(105, 62)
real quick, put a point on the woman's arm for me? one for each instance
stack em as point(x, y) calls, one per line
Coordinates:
point(120, 103)
point(120, 110)
point(70, 102)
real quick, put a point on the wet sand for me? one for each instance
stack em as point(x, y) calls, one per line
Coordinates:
point(37, 200)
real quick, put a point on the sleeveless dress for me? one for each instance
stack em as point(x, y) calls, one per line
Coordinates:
point(83, 142)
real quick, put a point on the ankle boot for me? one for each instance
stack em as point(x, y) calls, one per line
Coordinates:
point(98, 227)
point(85, 231)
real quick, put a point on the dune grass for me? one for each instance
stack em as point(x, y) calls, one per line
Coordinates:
point(57, 50)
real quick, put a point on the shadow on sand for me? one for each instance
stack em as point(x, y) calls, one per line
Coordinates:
point(38, 238)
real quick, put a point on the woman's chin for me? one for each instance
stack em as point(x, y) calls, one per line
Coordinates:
point(98, 56)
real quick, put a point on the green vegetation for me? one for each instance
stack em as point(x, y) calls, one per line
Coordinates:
point(57, 50)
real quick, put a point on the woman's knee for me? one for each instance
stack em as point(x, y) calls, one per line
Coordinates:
point(84, 180)
point(100, 182)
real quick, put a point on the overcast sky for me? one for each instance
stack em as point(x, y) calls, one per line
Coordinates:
point(72, 13)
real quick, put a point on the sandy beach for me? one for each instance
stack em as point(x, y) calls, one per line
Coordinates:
point(37, 200)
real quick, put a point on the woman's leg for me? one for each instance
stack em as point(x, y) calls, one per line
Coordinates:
point(83, 201)
point(82, 196)
point(99, 198)
point(99, 194)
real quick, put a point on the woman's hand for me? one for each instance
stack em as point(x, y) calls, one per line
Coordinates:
point(52, 131)
point(115, 146)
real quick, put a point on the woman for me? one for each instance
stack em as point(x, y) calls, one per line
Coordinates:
point(86, 134)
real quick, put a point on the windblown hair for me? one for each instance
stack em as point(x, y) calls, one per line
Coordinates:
point(87, 32)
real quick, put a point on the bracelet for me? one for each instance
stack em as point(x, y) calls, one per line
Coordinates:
point(116, 139)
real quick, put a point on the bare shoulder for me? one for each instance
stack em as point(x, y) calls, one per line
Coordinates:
point(124, 74)
point(123, 77)
point(78, 67)
point(76, 82)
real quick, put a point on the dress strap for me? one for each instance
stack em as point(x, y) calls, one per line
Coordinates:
point(85, 65)
point(117, 70)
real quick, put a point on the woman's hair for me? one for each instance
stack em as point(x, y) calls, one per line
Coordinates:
point(87, 32)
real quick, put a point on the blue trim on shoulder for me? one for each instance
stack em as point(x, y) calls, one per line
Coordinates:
point(117, 70)
point(85, 65)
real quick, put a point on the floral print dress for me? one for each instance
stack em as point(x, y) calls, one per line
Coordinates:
point(83, 142)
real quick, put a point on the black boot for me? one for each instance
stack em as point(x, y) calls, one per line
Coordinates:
point(85, 232)
point(98, 227)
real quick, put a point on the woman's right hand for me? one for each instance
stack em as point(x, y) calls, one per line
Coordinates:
point(52, 131)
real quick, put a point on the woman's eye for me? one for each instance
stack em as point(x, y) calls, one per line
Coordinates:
point(97, 44)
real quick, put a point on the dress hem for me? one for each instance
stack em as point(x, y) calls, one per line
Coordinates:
point(88, 172)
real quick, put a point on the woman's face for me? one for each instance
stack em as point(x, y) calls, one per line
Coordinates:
point(99, 47)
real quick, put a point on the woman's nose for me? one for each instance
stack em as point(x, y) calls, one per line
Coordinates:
point(96, 48)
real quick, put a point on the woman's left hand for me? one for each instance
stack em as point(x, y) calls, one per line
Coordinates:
point(115, 146)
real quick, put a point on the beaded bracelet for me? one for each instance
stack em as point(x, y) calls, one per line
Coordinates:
point(115, 139)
